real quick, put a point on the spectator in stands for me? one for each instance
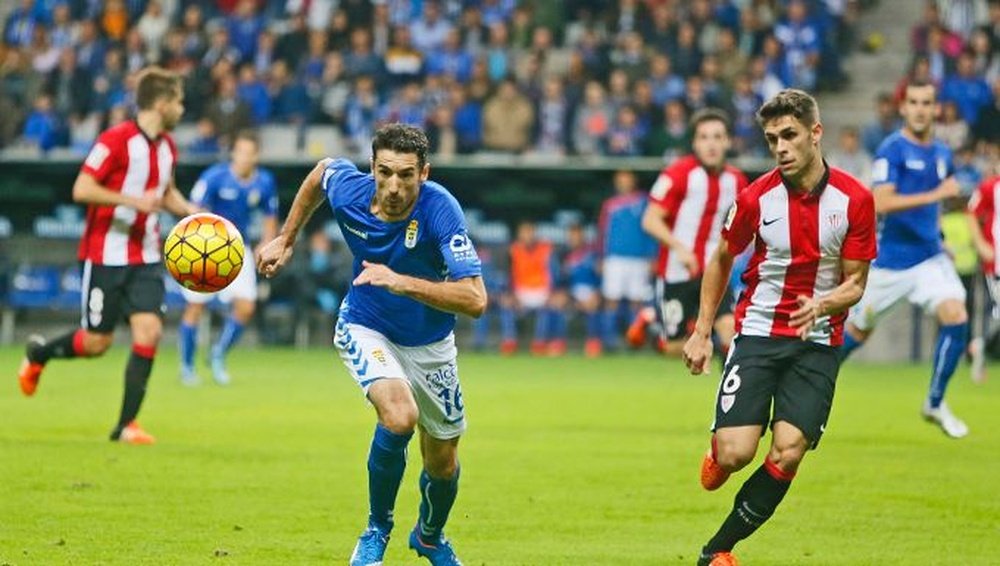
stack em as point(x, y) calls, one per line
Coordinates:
point(451, 59)
point(406, 106)
point(90, 47)
point(968, 172)
point(950, 127)
point(648, 113)
point(886, 122)
point(193, 31)
point(851, 157)
point(966, 89)
point(430, 31)
point(403, 63)
point(361, 112)
point(744, 103)
point(63, 31)
point(70, 86)
point(289, 101)
point(474, 33)
point(114, 20)
point(219, 49)
point(931, 24)
point(43, 129)
point(310, 68)
point(987, 126)
point(552, 114)
point(626, 250)
point(498, 52)
point(731, 60)
point(765, 84)
point(135, 52)
point(630, 57)
point(227, 112)
point(661, 30)
point(532, 280)
point(940, 61)
point(109, 83)
point(44, 55)
point(666, 85)
point(19, 29)
point(334, 90)
point(671, 138)
point(592, 121)
point(468, 119)
point(686, 55)
point(244, 26)
point(508, 118)
point(360, 59)
point(205, 143)
point(986, 55)
point(626, 135)
point(441, 132)
point(152, 28)
point(252, 91)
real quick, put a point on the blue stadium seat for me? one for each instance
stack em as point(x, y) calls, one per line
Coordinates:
point(69, 290)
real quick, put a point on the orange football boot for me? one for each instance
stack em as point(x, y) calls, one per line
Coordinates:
point(722, 559)
point(635, 336)
point(133, 434)
point(712, 474)
point(30, 371)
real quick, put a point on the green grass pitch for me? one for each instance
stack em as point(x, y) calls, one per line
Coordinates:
point(566, 462)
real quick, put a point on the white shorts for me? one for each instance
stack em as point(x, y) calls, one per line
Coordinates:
point(532, 299)
point(626, 278)
point(243, 287)
point(582, 293)
point(927, 284)
point(430, 370)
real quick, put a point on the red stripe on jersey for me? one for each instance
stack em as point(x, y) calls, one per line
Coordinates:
point(800, 278)
point(983, 207)
point(751, 277)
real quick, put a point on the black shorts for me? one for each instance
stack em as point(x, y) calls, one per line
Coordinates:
point(113, 293)
point(677, 307)
point(799, 376)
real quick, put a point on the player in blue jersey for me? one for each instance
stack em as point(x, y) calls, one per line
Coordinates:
point(912, 175)
point(582, 283)
point(415, 268)
point(234, 191)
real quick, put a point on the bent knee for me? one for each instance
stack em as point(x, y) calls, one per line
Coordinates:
point(399, 417)
point(952, 312)
point(787, 458)
point(95, 344)
point(443, 468)
point(732, 456)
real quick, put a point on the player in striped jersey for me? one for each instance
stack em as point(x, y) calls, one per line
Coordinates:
point(812, 228)
point(687, 205)
point(984, 220)
point(126, 179)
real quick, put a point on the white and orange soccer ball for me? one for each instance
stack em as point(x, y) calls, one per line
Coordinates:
point(204, 252)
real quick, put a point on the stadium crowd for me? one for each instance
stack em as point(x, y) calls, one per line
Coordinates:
point(576, 77)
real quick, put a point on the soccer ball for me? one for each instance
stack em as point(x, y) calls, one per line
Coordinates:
point(204, 252)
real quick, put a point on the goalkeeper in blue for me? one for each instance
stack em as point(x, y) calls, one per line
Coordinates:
point(912, 175)
point(233, 190)
point(415, 268)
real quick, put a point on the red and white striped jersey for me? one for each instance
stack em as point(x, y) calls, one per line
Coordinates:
point(799, 241)
point(983, 205)
point(696, 202)
point(126, 161)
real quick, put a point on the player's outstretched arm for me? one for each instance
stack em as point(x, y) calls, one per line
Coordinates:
point(464, 296)
point(697, 351)
point(840, 299)
point(86, 190)
point(274, 255)
point(888, 200)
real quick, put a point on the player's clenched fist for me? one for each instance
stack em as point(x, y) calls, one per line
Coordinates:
point(272, 256)
point(697, 353)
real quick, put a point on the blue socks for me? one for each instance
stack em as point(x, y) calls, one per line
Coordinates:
point(436, 498)
point(609, 328)
point(541, 325)
point(231, 333)
point(850, 344)
point(948, 352)
point(187, 343)
point(557, 324)
point(508, 323)
point(386, 463)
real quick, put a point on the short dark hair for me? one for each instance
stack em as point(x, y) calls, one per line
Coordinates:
point(919, 84)
point(401, 138)
point(248, 135)
point(708, 115)
point(155, 83)
point(790, 102)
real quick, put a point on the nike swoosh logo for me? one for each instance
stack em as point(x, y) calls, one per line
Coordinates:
point(771, 221)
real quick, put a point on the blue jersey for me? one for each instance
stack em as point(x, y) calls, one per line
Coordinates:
point(909, 237)
point(433, 244)
point(620, 227)
point(580, 268)
point(220, 191)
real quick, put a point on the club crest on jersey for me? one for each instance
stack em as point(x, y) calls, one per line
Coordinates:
point(726, 402)
point(253, 198)
point(835, 219)
point(411, 234)
point(942, 168)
